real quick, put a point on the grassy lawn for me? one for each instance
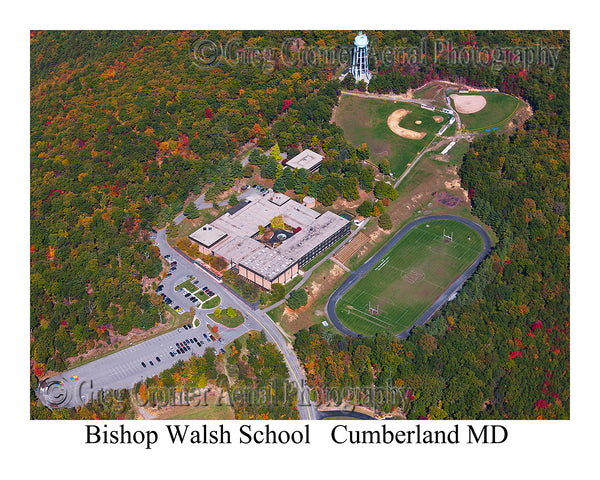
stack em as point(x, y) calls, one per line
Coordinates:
point(364, 120)
point(211, 411)
point(212, 303)
point(188, 285)
point(409, 278)
point(498, 110)
point(227, 321)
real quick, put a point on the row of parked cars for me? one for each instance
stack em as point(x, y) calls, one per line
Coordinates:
point(151, 362)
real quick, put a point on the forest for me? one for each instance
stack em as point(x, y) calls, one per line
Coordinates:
point(501, 349)
point(126, 130)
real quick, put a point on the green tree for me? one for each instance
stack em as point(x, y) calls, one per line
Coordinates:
point(277, 291)
point(277, 222)
point(366, 178)
point(288, 177)
point(328, 195)
point(269, 170)
point(298, 298)
point(191, 211)
point(350, 188)
point(384, 166)
point(233, 200)
point(385, 221)
point(172, 230)
point(301, 180)
point(365, 209)
point(279, 185)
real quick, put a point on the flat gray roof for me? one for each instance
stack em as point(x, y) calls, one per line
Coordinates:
point(208, 235)
point(236, 244)
point(306, 159)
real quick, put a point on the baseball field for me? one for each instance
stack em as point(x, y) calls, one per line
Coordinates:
point(405, 282)
point(393, 130)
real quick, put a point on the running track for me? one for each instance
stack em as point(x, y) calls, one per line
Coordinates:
point(443, 298)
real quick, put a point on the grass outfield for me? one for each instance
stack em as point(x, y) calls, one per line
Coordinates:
point(364, 120)
point(499, 108)
point(406, 281)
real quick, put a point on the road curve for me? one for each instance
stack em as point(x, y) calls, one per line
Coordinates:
point(443, 298)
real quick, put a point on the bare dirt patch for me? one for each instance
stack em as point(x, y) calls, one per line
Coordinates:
point(468, 103)
point(393, 121)
point(438, 119)
point(418, 122)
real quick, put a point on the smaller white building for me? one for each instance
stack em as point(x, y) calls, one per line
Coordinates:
point(306, 159)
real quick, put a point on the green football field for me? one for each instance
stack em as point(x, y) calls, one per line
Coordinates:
point(408, 279)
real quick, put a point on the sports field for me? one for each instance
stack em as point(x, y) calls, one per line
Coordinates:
point(499, 108)
point(364, 120)
point(406, 281)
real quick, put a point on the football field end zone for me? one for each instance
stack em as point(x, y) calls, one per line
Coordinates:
point(371, 262)
point(420, 268)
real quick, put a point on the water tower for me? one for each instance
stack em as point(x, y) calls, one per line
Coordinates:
point(360, 58)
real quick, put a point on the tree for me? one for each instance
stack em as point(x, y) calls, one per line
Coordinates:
point(350, 188)
point(233, 200)
point(279, 185)
point(384, 167)
point(385, 221)
point(191, 211)
point(298, 298)
point(254, 157)
point(269, 170)
point(301, 180)
point(172, 230)
point(288, 177)
point(231, 313)
point(366, 178)
point(328, 195)
point(385, 190)
point(277, 291)
point(275, 153)
point(218, 312)
point(277, 222)
point(365, 209)
point(363, 152)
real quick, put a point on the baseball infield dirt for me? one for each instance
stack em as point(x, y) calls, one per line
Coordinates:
point(393, 121)
point(468, 103)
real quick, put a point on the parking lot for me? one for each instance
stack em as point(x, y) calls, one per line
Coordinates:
point(193, 295)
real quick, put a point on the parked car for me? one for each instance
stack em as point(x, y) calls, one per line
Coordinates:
point(143, 365)
point(158, 359)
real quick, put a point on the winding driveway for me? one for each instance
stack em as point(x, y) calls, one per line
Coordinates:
point(443, 298)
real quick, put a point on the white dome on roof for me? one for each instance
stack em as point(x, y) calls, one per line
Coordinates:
point(361, 40)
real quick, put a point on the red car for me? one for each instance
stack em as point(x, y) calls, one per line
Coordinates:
point(212, 338)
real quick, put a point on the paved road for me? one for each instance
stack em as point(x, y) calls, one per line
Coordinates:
point(443, 298)
point(123, 369)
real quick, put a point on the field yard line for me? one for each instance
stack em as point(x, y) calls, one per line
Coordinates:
point(354, 312)
point(440, 300)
